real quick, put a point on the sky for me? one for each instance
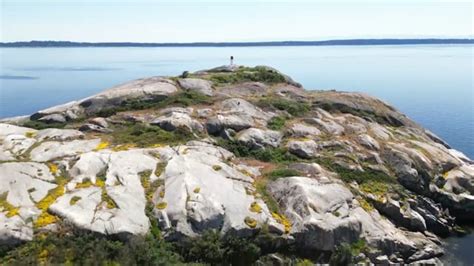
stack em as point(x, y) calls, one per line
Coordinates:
point(225, 20)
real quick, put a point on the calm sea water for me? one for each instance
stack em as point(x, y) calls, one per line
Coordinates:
point(431, 84)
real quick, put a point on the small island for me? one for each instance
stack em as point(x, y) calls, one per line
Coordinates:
point(231, 165)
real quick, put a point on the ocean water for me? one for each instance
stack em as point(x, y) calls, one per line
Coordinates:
point(432, 84)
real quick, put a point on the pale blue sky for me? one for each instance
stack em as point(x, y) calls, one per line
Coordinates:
point(225, 20)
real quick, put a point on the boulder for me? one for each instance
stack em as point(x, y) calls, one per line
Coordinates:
point(174, 120)
point(305, 149)
point(258, 138)
point(199, 85)
point(53, 118)
point(320, 213)
point(299, 130)
point(246, 89)
point(329, 127)
point(368, 142)
point(50, 150)
point(58, 134)
point(202, 192)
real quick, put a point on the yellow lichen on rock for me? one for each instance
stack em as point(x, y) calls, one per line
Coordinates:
point(46, 218)
point(250, 222)
point(5, 206)
point(282, 219)
point(124, 147)
point(110, 203)
point(53, 168)
point(84, 184)
point(197, 190)
point(30, 134)
point(12, 212)
point(162, 205)
point(99, 182)
point(254, 207)
point(74, 200)
point(102, 145)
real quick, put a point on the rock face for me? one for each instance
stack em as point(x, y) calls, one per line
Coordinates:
point(358, 169)
point(199, 85)
point(199, 195)
point(257, 138)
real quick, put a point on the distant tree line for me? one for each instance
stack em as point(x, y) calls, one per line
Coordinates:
point(239, 44)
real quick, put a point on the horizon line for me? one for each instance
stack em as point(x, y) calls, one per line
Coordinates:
point(367, 41)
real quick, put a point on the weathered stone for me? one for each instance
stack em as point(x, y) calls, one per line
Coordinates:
point(257, 138)
point(304, 149)
point(53, 118)
point(368, 142)
point(174, 120)
point(199, 85)
point(50, 150)
point(301, 130)
point(58, 134)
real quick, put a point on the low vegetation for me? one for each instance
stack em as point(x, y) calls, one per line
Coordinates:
point(90, 249)
point(294, 108)
point(246, 74)
point(183, 99)
point(282, 172)
point(35, 124)
point(145, 136)
point(275, 155)
point(277, 122)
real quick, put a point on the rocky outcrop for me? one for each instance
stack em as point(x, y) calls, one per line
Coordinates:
point(199, 85)
point(345, 168)
point(257, 138)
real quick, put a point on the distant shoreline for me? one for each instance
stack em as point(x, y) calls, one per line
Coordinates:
point(351, 42)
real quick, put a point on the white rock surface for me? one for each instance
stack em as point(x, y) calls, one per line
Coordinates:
point(50, 150)
point(199, 85)
point(258, 138)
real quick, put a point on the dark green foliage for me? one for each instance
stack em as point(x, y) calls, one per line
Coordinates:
point(341, 256)
point(247, 74)
point(42, 125)
point(282, 172)
point(368, 175)
point(345, 253)
point(277, 122)
point(185, 74)
point(277, 155)
point(145, 136)
point(183, 99)
point(294, 108)
point(366, 114)
point(216, 250)
point(90, 249)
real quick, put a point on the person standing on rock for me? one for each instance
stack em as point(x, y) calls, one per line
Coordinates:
point(231, 60)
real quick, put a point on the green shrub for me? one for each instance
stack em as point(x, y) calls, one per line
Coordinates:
point(294, 108)
point(183, 99)
point(282, 172)
point(276, 155)
point(342, 255)
point(277, 122)
point(361, 177)
point(146, 136)
point(211, 248)
point(246, 74)
point(42, 125)
point(91, 249)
